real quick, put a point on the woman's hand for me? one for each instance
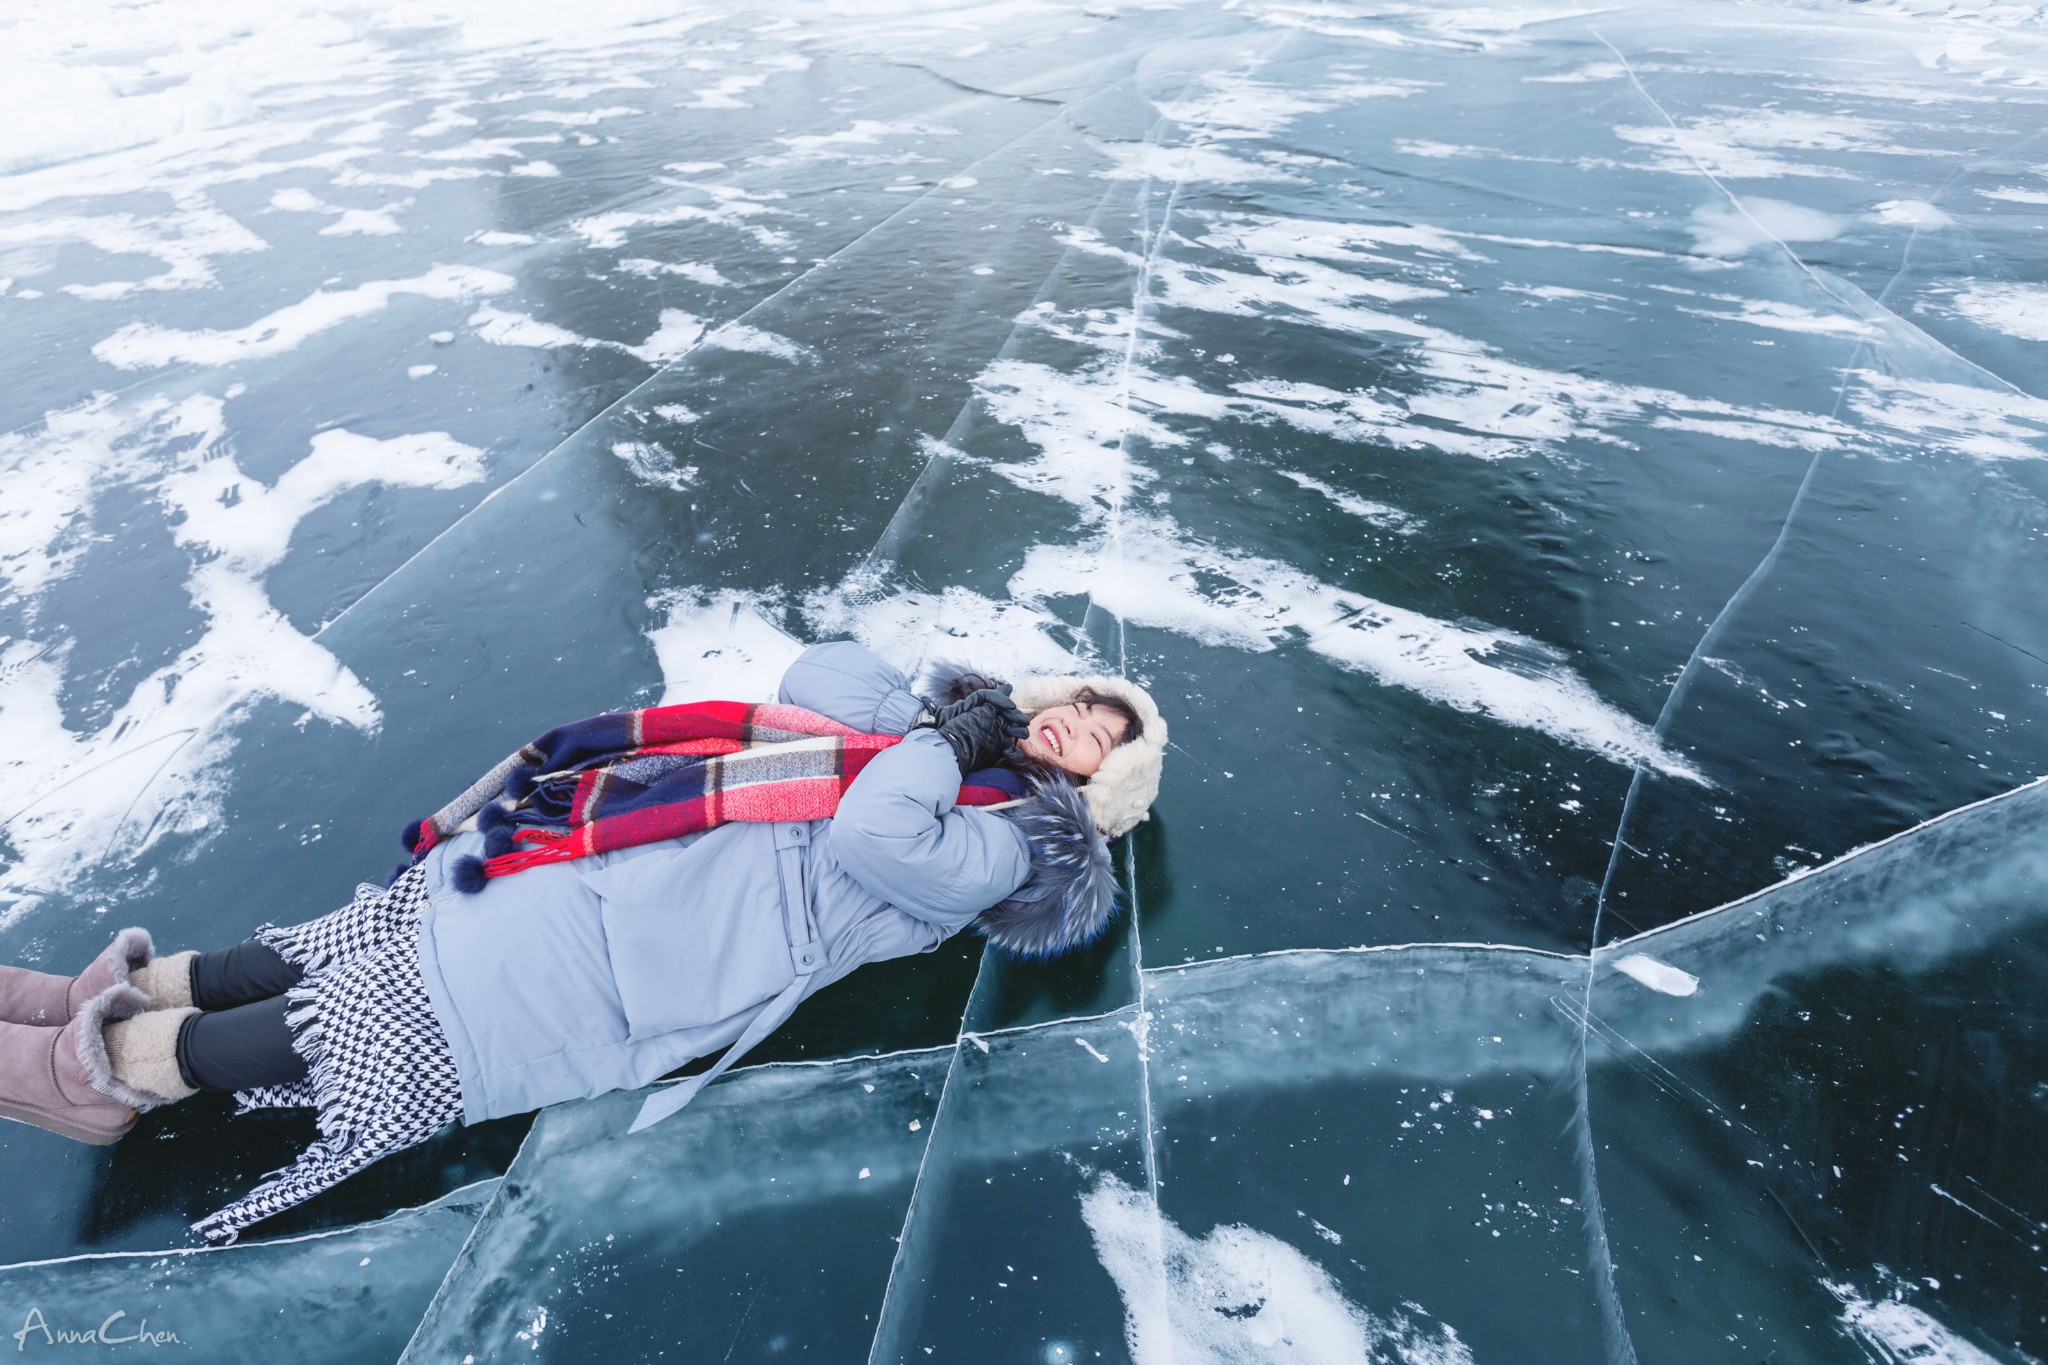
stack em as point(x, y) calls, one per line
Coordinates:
point(982, 727)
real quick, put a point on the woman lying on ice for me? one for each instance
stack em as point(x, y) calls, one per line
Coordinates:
point(615, 899)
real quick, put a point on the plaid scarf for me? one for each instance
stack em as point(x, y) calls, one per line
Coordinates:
point(634, 777)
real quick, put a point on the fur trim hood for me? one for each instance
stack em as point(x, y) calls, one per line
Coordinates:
point(1071, 896)
point(1123, 788)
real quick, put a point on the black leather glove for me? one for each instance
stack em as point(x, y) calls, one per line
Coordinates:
point(982, 727)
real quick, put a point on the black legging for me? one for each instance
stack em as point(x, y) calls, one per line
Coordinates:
point(239, 1040)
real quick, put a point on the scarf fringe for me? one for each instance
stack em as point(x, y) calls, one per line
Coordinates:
point(302, 1019)
point(296, 943)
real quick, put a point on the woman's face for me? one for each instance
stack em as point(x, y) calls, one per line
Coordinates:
point(1076, 736)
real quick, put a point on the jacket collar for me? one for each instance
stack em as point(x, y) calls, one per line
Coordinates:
point(1070, 897)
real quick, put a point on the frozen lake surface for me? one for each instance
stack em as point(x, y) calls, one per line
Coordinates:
point(1572, 475)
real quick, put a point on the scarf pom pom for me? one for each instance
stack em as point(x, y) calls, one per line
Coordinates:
point(520, 782)
point(498, 842)
point(467, 875)
point(493, 817)
point(410, 835)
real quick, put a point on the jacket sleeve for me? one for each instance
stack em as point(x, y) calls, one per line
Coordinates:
point(842, 680)
point(898, 835)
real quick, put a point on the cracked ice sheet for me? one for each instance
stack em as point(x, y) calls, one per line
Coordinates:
point(156, 768)
point(1805, 1086)
point(1832, 1099)
point(760, 1219)
point(348, 1295)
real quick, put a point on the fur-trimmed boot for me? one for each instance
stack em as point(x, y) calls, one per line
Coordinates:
point(31, 997)
point(88, 1079)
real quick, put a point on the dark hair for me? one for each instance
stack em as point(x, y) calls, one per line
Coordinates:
point(1116, 706)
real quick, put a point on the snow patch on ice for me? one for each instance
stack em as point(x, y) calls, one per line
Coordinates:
point(1210, 165)
point(1592, 71)
point(1151, 573)
point(348, 222)
point(841, 145)
point(736, 336)
point(678, 334)
point(1896, 1332)
point(1914, 213)
point(50, 480)
point(1725, 231)
point(1378, 513)
point(910, 628)
point(1743, 146)
point(576, 118)
point(1227, 107)
point(185, 239)
point(1240, 1295)
point(718, 646)
point(689, 270)
point(655, 464)
point(1988, 423)
point(141, 345)
point(1786, 317)
point(246, 526)
point(730, 207)
point(1472, 401)
point(2019, 310)
point(725, 92)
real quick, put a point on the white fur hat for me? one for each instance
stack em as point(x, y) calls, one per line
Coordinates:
point(1121, 792)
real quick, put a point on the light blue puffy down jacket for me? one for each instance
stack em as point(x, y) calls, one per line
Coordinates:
point(572, 979)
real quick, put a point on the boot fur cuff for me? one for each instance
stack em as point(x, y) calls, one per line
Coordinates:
point(110, 1007)
point(142, 1052)
point(131, 955)
point(168, 981)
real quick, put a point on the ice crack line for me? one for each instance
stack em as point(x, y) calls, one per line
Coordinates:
point(1140, 296)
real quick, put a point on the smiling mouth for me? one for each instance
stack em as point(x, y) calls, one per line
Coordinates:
point(1051, 740)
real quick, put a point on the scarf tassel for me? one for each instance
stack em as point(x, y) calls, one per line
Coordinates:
point(520, 782)
point(503, 854)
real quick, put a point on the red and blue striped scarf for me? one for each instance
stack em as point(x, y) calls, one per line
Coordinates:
point(634, 777)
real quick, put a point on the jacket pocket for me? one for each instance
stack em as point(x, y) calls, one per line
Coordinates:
point(690, 950)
